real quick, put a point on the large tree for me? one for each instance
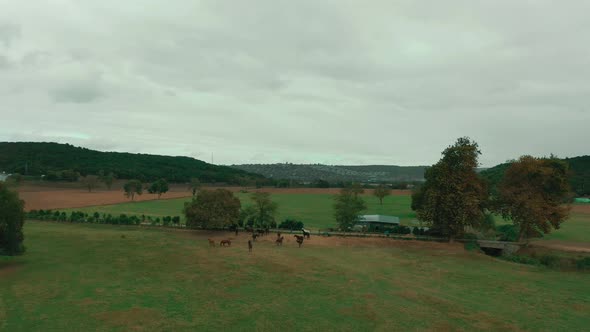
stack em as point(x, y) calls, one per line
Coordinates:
point(348, 205)
point(381, 192)
point(534, 194)
point(159, 187)
point(212, 209)
point(133, 187)
point(12, 219)
point(90, 182)
point(453, 196)
point(265, 209)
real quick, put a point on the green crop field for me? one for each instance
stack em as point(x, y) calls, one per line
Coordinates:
point(83, 277)
point(315, 210)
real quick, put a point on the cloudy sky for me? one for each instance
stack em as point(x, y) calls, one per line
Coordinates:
point(306, 81)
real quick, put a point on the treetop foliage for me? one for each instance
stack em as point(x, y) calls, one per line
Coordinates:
point(213, 209)
point(12, 219)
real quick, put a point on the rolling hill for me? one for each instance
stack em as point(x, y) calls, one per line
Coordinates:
point(44, 158)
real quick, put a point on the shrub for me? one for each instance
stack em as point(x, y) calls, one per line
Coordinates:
point(521, 259)
point(469, 236)
point(551, 261)
point(508, 233)
point(291, 224)
point(583, 264)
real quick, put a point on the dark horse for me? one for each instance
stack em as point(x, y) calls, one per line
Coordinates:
point(249, 245)
point(279, 241)
point(300, 241)
point(223, 243)
point(254, 236)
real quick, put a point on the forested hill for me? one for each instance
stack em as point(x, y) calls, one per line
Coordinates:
point(314, 172)
point(580, 178)
point(51, 158)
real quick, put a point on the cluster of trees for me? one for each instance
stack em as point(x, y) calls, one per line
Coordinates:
point(532, 193)
point(290, 223)
point(217, 209)
point(12, 219)
point(104, 218)
point(64, 162)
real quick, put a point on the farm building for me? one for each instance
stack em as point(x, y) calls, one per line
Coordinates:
point(376, 222)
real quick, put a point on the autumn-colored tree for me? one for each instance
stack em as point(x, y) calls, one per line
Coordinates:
point(212, 209)
point(348, 205)
point(453, 196)
point(265, 209)
point(534, 194)
point(133, 187)
point(381, 192)
point(90, 182)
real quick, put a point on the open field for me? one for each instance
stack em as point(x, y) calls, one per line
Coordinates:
point(47, 195)
point(315, 210)
point(88, 277)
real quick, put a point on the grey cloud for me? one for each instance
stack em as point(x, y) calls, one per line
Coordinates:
point(303, 81)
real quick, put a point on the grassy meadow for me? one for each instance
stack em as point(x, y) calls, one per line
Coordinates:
point(85, 277)
point(315, 210)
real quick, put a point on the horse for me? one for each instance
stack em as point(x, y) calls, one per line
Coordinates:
point(211, 243)
point(299, 237)
point(278, 234)
point(306, 233)
point(249, 245)
point(300, 241)
point(279, 241)
point(224, 242)
point(254, 236)
point(260, 232)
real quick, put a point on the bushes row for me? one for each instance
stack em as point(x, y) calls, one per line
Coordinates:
point(291, 224)
point(83, 217)
point(550, 261)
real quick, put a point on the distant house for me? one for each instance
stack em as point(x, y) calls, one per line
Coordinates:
point(376, 222)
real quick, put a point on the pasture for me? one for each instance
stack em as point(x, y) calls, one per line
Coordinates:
point(77, 277)
point(315, 210)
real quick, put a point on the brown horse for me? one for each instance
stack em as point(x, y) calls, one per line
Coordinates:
point(211, 243)
point(300, 242)
point(299, 237)
point(254, 236)
point(249, 245)
point(279, 241)
point(225, 242)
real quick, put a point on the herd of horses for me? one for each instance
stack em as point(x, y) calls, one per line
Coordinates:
point(262, 232)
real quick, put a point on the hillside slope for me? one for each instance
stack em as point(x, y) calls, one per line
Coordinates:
point(42, 158)
point(313, 172)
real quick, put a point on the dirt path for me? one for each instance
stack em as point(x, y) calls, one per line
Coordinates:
point(563, 245)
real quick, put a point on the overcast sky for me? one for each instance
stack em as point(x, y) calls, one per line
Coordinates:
point(336, 82)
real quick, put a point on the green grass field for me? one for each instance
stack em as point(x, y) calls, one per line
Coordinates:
point(78, 277)
point(315, 210)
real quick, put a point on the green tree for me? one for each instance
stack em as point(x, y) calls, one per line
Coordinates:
point(12, 219)
point(107, 179)
point(265, 209)
point(348, 206)
point(133, 187)
point(194, 186)
point(381, 192)
point(532, 194)
point(453, 196)
point(90, 182)
point(159, 187)
point(212, 209)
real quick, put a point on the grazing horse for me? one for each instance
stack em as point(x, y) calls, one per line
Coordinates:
point(279, 241)
point(211, 243)
point(225, 242)
point(306, 233)
point(254, 236)
point(300, 241)
point(249, 245)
